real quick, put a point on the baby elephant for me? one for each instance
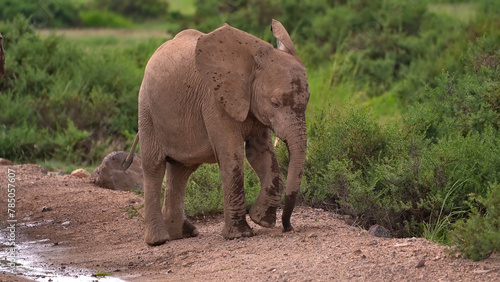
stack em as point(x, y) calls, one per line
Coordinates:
point(215, 97)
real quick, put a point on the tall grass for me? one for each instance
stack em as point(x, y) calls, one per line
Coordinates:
point(437, 228)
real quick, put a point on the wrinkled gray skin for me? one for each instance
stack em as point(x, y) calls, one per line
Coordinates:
point(214, 97)
point(2, 57)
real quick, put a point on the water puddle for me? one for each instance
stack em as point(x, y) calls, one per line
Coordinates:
point(29, 265)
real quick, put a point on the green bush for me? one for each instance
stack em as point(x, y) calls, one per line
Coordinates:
point(63, 102)
point(477, 237)
point(394, 176)
point(104, 19)
point(463, 103)
point(144, 9)
point(204, 190)
point(42, 13)
point(358, 167)
point(413, 178)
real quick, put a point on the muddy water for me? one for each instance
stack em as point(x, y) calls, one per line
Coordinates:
point(28, 263)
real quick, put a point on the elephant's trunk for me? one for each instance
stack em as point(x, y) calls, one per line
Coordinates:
point(297, 144)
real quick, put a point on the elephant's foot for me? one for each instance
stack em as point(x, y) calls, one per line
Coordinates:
point(181, 228)
point(262, 216)
point(238, 230)
point(156, 234)
point(188, 229)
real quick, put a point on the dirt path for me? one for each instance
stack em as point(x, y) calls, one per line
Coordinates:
point(68, 227)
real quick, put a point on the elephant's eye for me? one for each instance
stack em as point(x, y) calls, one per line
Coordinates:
point(275, 102)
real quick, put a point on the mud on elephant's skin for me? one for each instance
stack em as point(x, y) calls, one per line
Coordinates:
point(214, 98)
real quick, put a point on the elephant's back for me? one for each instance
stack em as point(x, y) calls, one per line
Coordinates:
point(171, 69)
point(177, 52)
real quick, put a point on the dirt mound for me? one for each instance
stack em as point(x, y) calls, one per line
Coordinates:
point(67, 226)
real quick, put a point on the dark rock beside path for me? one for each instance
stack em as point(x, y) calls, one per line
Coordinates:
point(379, 231)
point(110, 173)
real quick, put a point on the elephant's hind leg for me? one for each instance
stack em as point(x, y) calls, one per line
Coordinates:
point(156, 232)
point(173, 207)
point(260, 154)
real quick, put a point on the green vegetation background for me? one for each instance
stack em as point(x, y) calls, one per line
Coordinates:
point(403, 121)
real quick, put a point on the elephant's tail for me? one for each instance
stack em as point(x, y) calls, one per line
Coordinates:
point(130, 158)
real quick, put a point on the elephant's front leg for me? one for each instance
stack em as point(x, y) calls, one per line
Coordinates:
point(260, 154)
point(177, 225)
point(231, 164)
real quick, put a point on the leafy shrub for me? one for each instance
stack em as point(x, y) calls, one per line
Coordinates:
point(394, 176)
point(413, 178)
point(463, 103)
point(104, 19)
point(353, 164)
point(52, 13)
point(144, 9)
point(204, 190)
point(63, 102)
point(477, 237)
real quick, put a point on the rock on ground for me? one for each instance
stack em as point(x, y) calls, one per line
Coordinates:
point(110, 173)
point(379, 231)
point(80, 173)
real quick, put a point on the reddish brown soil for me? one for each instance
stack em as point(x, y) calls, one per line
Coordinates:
point(84, 229)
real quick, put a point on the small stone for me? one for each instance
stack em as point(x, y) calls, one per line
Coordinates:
point(373, 243)
point(46, 209)
point(482, 271)
point(80, 173)
point(168, 271)
point(420, 264)
point(66, 223)
point(379, 231)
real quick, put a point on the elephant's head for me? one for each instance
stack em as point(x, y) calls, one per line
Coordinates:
point(250, 77)
point(2, 57)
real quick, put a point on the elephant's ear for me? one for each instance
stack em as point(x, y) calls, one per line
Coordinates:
point(225, 59)
point(283, 40)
